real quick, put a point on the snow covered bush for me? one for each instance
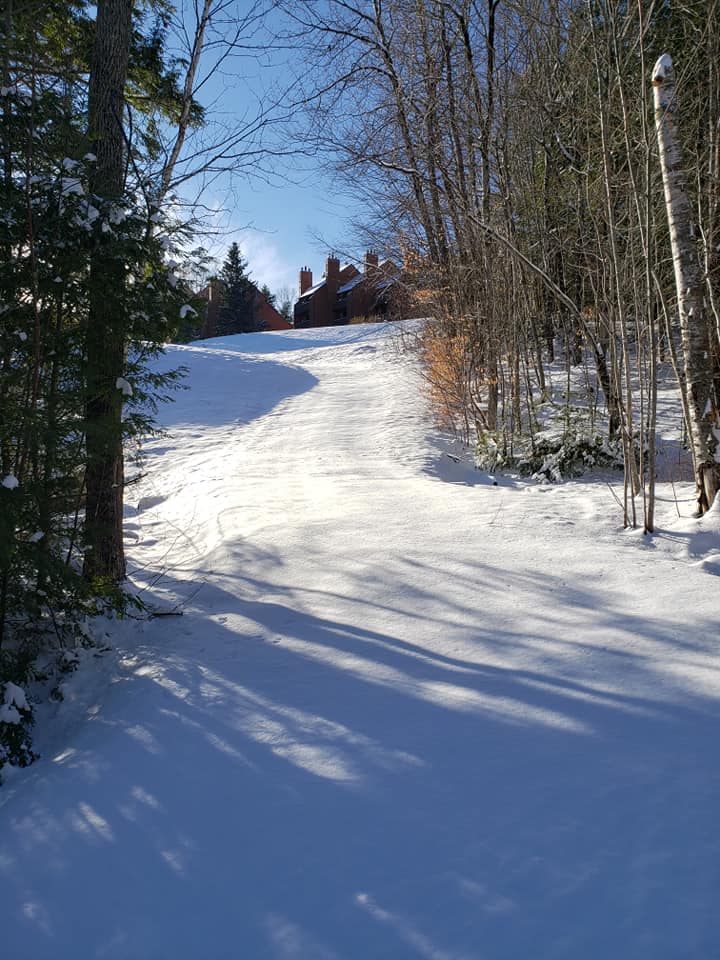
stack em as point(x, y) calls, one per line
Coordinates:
point(16, 718)
point(555, 457)
point(559, 452)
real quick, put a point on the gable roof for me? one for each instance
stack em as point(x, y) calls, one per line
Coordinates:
point(351, 283)
point(309, 292)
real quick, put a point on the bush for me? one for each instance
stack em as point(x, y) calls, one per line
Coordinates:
point(554, 454)
point(16, 719)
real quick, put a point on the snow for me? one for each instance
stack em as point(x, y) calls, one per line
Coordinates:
point(116, 214)
point(8, 714)
point(404, 713)
point(14, 699)
point(351, 284)
point(70, 186)
point(122, 384)
point(15, 696)
point(311, 290)
point(90, 214)
point(663, 68)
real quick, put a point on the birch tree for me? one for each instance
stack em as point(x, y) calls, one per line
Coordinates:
point(689, 284)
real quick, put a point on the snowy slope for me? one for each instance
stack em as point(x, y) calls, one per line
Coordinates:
point(405, 713)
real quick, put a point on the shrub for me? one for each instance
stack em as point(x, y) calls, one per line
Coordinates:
point(16, 719)
point(554, 454)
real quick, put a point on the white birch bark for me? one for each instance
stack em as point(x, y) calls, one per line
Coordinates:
point(690, 290)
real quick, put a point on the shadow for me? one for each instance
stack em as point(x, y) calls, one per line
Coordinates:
point(453, 464)
point(214, 393)
point(264, 780)
point(288, 341)
point(696, 538)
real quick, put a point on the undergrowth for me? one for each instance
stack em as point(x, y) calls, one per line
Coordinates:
point(568, 447)
point(38, 653)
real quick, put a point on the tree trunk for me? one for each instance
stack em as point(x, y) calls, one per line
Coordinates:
point(187, 96)
point(105, 335)
point(694, 325)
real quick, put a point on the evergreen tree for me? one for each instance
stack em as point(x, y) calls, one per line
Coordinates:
point(237, 314)
point(269, 296)
point(59, 225)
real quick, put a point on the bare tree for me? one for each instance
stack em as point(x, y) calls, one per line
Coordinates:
point(220, 42)
point(509, 149)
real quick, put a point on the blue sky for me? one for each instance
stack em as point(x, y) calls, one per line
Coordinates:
point(282, 226)
point(294, 216)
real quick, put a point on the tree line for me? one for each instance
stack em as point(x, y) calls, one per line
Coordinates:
point(512, 151)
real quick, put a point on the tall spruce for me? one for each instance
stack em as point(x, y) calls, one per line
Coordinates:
point(43, 270)
point(237, 314)
point(67, 242)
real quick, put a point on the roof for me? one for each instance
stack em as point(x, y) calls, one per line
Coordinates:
point(346, 287)
point(311, 290)
point(381, 277)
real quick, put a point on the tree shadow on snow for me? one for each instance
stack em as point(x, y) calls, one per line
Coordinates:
point(214, 393)
point(264, 782)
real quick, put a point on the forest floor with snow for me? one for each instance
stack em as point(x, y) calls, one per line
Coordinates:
point(404, 713)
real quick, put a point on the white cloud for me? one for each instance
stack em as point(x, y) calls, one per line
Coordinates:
point(266, 263)
point(270, 260)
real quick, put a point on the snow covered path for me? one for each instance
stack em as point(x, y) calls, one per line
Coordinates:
point(406, 714)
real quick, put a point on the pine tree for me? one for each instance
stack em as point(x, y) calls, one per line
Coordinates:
point(43, 269)
point(106, 335)
point(55, 229)
point(238, 311)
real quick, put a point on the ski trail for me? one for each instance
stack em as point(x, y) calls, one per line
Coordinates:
point(405, 714)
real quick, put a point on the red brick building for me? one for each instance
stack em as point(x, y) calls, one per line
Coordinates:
point(266, 316)
point(345, 294)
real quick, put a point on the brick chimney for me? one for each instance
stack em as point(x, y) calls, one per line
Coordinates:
point(371, 260)
point(305, 279)
point(332, 268)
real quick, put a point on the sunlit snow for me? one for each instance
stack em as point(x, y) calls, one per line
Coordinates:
point(392, 710)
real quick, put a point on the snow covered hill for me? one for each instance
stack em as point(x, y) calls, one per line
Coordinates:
point(405, 713)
